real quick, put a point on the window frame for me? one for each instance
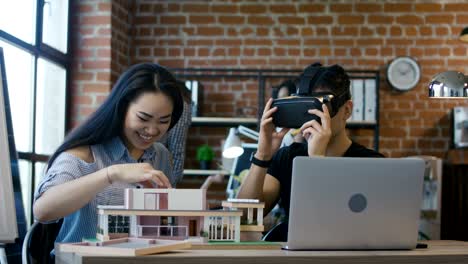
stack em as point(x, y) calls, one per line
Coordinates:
point(44, 51)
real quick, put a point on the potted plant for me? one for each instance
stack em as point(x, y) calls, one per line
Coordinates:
point(205, 155)
point(204, 236)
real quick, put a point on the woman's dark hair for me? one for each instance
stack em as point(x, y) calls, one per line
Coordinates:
point(289, 84)
point(107, 122)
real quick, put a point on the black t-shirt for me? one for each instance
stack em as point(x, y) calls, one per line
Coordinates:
point(281, 166)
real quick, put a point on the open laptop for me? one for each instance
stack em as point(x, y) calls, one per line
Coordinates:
point(355, 203)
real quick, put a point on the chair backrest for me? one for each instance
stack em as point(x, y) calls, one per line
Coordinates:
point(278, 233)
point(39, 242)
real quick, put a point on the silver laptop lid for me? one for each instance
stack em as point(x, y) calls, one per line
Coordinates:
point(355, 203)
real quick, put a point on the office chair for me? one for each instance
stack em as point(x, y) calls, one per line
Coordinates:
point(39, 242)
point(277, 234)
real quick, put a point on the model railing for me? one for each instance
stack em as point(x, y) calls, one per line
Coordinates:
point(164, 230)
point(221, 229)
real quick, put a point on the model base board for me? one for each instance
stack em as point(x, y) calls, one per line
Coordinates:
point(124, 247)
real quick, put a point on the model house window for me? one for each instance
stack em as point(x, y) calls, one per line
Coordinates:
point(34, 38)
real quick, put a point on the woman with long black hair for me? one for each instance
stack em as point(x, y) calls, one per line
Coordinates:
point(112, 150)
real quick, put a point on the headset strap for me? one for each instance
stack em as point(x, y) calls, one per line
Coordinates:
point(308, 77)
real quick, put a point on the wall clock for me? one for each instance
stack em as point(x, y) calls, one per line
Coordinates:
point(403, 73)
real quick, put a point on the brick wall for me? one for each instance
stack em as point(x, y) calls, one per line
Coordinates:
point(101, 37)
point(121, 25)
point(289, 35)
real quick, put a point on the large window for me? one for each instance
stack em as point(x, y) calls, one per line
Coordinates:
point(34, 38)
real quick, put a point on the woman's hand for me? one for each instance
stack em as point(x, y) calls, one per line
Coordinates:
point(269, 139)
point(317, 135)
point(137, 172)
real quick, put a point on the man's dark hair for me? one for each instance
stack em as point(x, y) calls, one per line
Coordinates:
point(329, 79)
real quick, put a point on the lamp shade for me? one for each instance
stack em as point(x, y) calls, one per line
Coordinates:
point(449, 84)
point(464, 35)
point(232, 146)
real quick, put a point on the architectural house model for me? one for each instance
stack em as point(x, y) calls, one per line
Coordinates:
point(176, 214)
point(158, 220)
point(254, 207)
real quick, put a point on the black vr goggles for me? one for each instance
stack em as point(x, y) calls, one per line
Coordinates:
point(293, 112)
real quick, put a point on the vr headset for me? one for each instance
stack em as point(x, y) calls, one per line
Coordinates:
point(293, 112)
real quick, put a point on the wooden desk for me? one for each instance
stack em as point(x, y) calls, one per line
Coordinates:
point(437, 252)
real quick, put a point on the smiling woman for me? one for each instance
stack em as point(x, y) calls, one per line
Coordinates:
point(112, 150)
point(147, 120)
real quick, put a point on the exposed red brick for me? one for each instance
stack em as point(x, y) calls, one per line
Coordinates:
point(455, 7)
point(168, 20)
point(233, 20)
point(317, 42)
point(400, 8)
point(343, 42)
point(145, 8)
point(368, 8)
point(253, 9)
point(322, 31)
point(104, 53)
point(94, 20)
point(228, 42)
point(103, 76)
point(366, 32)
point(95, 88)
point(175, 63)
point(195, 8)
point(210, 31)
point(264, 52)
point(291, 20)
point(104, 6)
point(344, 31)
point(440, 19)
point(341, 8)
point(307, 32)
point(379, 19)
point(320, 20)
point(259, 20)
point(258, 42)
point(201, 19)
point(410, 19)
point(172, 7)
point(84, 7)
point(339, 52)
point(95, 65)
point(346, 19)
point(279, 52)
point(225, 9)
point(442, 31)
point(288, 9)
point(288, 42)
point(312, 8)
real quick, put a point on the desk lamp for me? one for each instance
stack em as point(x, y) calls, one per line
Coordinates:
point(232, 146)
point(464, 35)
point(449, 84)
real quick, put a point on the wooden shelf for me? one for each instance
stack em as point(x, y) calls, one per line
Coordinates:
point(205, 172)
point(223, 121)
point(235, 121)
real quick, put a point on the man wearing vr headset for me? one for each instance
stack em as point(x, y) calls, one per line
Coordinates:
point(269, 177)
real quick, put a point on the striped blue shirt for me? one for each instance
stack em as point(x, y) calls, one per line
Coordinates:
point(67, 167)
